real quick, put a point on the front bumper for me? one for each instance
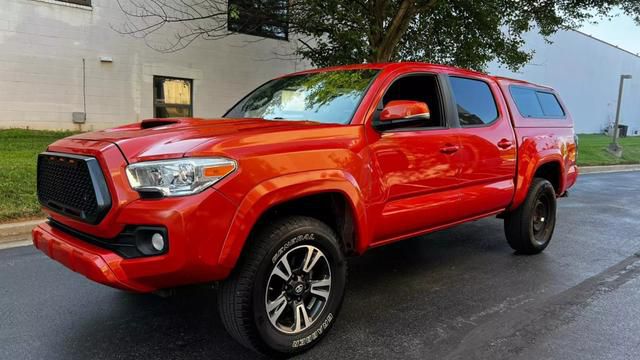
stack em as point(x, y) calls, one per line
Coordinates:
point(197, 226)
point(93, 262)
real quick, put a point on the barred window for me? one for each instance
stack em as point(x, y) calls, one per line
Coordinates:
point(77, 2)
point(266, 18)
point(172, 97)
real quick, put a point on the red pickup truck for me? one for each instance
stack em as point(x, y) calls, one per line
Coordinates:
point(304, 171)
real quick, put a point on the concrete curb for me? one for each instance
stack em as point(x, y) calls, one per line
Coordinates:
point(17, 234)
point(608, 168)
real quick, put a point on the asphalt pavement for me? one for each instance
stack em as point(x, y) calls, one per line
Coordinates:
point(457, 294)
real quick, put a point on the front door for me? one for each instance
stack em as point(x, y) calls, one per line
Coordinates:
point(417, 164)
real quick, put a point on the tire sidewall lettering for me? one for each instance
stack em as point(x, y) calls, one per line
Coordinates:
point(290, 244)
point(314, 335)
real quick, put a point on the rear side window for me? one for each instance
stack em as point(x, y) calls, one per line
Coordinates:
point(475, 102)
point(527, 102)
point(550, 105)
point(534, 103)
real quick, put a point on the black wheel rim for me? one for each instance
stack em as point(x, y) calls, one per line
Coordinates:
point(541, 221)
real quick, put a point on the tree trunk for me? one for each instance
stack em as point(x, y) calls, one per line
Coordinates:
point(384, 50)
point(383, 42)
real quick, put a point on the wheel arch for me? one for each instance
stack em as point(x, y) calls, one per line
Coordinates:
point(548, 166)
point(322, 193)
point(551, 171)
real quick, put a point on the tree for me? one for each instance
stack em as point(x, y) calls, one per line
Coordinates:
point(466, 33)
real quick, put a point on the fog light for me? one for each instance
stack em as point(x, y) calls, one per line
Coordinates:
point(151, 240)
point(157, 241)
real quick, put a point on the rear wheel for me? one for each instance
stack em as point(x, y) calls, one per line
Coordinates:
point(529, 228)
point(287, 289)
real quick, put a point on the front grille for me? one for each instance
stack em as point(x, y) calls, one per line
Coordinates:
point(73, 185)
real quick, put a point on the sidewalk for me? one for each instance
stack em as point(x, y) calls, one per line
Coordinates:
point(608, 168)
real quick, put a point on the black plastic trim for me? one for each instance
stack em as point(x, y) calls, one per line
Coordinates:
point(125, 244)
point(100, 189)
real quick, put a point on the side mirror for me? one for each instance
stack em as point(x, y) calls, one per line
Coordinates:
point(405, 110)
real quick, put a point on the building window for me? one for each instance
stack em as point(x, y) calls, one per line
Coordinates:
point(77, 2)
point(172, 97)
point(266, 18)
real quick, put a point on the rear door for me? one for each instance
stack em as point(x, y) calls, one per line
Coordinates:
point(487, 146)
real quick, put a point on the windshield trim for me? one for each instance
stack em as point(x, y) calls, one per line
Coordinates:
point(355, 110)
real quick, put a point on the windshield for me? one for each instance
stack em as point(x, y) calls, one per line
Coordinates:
point(326, 97)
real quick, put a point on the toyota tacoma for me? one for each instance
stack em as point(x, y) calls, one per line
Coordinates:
point(309, 169)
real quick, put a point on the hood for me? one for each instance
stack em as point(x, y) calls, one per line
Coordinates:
point(155, 139)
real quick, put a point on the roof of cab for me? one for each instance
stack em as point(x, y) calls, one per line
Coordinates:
point(400, 65)
point(509, 81)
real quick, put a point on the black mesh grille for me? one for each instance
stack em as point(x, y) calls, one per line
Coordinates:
point(70, 185)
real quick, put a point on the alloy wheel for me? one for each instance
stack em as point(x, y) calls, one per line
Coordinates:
point(298, 289)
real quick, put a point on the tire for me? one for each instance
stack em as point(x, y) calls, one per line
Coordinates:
point(530, 227)
point(258, 284)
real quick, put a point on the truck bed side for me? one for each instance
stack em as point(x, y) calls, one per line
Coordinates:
point(547, 145)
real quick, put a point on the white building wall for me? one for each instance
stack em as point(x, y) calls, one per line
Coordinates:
point(43, 42)
point(586, 73)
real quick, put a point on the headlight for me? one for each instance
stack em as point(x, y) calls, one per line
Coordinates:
point(178, 177)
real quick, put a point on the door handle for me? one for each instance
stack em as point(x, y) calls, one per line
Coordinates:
point(505, 144)
point(449, 149)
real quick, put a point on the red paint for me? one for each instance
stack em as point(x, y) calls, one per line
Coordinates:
point(403, 109)
point(398, 183)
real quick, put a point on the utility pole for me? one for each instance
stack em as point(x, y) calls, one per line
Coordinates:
point(614, 147)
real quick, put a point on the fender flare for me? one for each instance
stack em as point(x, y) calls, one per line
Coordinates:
point(281, 189)
point(526, 174)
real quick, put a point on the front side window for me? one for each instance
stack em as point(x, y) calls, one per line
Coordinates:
point(172, 97)
point(474, 100)
point(414, 87)
point(326, 97)
point(266, 18)
point(532, 103)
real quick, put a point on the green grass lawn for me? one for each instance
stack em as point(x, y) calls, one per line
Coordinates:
point(18, 153)
point(19, 149)
point(592, 150)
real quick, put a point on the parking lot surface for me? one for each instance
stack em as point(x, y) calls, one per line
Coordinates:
point(457, 294)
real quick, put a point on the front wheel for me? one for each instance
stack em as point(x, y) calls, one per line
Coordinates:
point(287, 288)
point(529, 228)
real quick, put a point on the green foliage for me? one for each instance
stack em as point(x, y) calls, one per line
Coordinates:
point(18, 155)
point(465, 33)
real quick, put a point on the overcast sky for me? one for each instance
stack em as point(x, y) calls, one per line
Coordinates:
point(621, 31)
